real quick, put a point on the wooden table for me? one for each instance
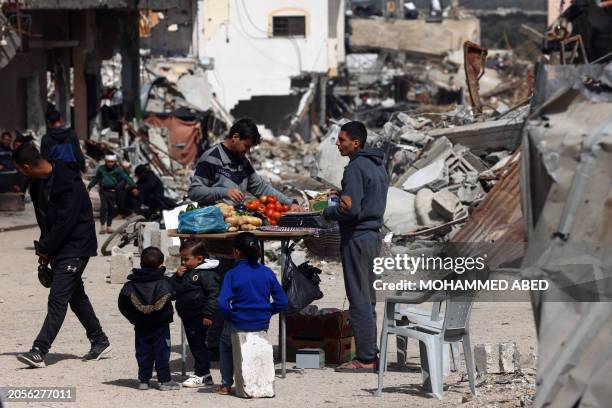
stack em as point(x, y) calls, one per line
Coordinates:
point(285, 238)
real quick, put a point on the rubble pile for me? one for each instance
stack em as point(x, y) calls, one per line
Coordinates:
point(441, 166)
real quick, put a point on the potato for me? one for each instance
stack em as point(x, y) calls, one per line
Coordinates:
point(248, 227)
point(232, 229)
point(234, 221)
point(254, 221)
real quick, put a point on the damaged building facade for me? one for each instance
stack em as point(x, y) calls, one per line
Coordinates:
point(58, 54)
point(271, 58)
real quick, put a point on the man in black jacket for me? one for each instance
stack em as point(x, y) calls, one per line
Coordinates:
point(145, 300)
point(61, 143)
point(360, 217)
point(150, 192)
point(67, 241)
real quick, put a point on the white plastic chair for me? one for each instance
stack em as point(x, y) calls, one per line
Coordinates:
point(455, 328)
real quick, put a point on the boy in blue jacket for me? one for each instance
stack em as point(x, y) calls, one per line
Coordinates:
point(245, 301)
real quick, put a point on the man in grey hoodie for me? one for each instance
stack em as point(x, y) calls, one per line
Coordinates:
point(360, 216)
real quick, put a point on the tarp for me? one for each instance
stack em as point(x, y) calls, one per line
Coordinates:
point(567, 197)
point(183, 137)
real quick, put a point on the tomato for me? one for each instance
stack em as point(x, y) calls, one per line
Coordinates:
point(263, 199)
point(262, 208)
point(271, 206)
point(273, 222)
point(278, 206)
point(271, 199)
point(276, 215)
point(252, 205)
point(285, 208)
point(269, 212)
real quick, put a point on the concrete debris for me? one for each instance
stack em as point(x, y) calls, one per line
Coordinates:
point(503, 358)
point(400, 215)
point(434, 176)
point(121, 264)
point(446, 205)
point(253, 364)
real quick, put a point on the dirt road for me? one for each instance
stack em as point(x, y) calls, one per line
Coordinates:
point(112, 381)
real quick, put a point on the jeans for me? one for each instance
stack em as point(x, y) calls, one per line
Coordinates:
point(195, 332)
point(108, 201)
point(153, 347)
point(357, 253)
point(67, 289)
point(225, 354)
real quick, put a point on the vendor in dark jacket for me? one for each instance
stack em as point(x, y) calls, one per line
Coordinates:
point(61, 143)
point(67, 241)
point(196, 284)
point(145, 300)
point(360, 216)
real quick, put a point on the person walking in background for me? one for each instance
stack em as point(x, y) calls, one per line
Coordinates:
point(109, 176)
point(67, 241)
point(61, 143)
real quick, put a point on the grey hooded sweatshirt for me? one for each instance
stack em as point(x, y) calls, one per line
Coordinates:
point(366, 182)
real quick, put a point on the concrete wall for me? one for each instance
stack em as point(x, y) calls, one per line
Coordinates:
point(248, 62)
point(14, 113)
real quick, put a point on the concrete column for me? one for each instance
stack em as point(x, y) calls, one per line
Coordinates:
point(84, 31)
point(129, 44)
point(61, 71)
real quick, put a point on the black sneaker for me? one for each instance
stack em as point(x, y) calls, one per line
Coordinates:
point(98, 350)
point(208, 380)
point(34, 358)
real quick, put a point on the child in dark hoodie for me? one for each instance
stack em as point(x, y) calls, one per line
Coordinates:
point(196, 283)
point(145, 300)
point(245, 300)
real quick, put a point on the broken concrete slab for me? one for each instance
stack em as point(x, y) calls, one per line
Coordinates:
point(502, 358)
point(400, 217)
point(434, 176)
point(485, 137)
point(329, 165)
point(414, 36)
point(446, 204)
point(121, 264)
point(425, 215)
point(253, 364)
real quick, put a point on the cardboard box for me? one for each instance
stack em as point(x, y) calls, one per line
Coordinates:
point(334, 325)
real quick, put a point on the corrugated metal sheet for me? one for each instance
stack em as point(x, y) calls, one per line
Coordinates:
point(497, 220)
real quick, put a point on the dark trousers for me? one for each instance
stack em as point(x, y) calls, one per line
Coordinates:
point(357, 253)
point(153, 348)
point(226, 359)
point(108, 201)
point(67, 289)
point(195, 332)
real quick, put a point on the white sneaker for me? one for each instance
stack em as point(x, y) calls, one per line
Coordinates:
point(193, 382)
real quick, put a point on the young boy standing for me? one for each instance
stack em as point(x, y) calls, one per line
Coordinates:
point(196, 283)
point(109, 175)
point(145, 300)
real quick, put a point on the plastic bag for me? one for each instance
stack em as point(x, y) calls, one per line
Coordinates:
point(301, 284)
point(201, 220)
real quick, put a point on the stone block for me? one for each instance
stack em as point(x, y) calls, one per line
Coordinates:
point(425, 215)
point(446, 204)
point(121, 264)
point(253, 364)
point(502, 358)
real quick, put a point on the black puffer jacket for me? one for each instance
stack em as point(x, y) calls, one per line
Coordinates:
point(197, 291)
point(145, 300)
